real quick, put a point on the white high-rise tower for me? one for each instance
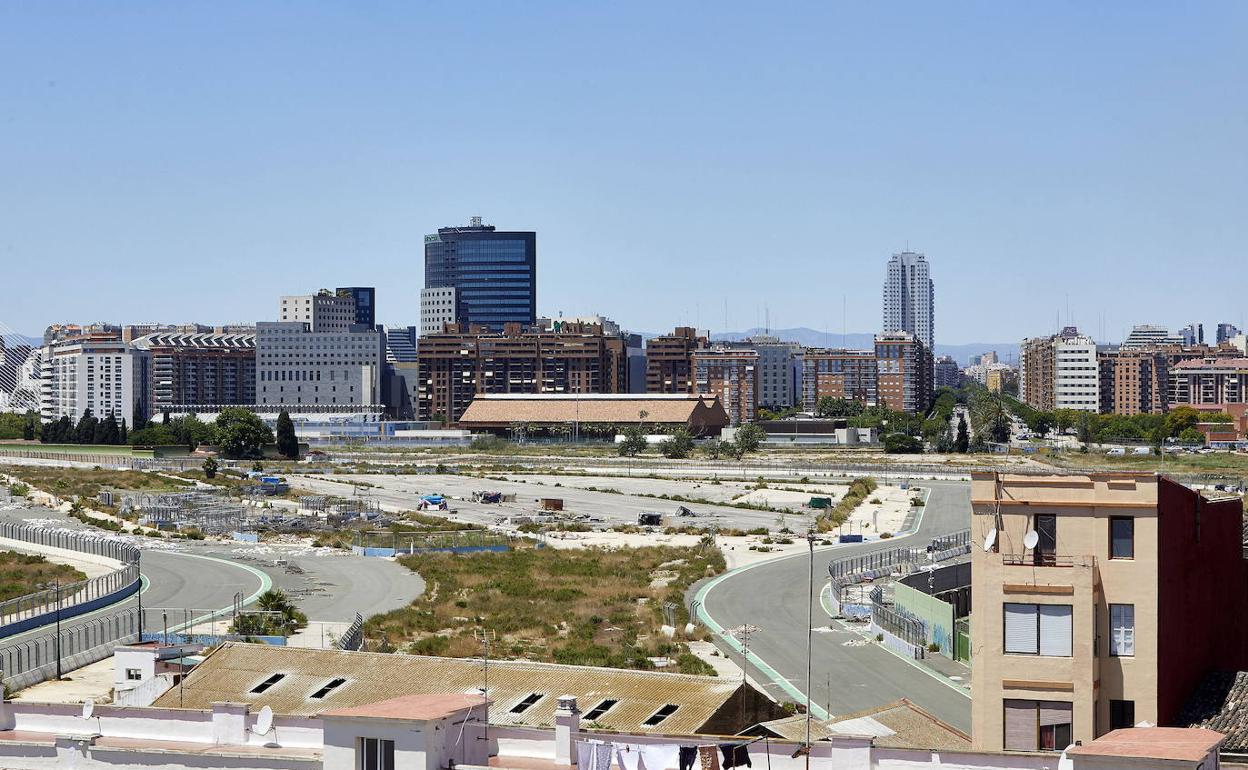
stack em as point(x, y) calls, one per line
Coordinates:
point(909, 297)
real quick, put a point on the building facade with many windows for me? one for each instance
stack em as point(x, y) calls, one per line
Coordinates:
point(87, 373)
point(731, 374)
point(669, 360)
point(458, 364)
point(903, 372)
point(1060, 372)
point(838, 373)
point(177, 371)
point(910, 297)
point(493, 274)
point(317, 359)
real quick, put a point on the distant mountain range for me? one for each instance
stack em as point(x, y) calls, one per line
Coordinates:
point(1006, 351)
point(21, 339)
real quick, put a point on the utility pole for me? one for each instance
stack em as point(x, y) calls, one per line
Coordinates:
point(58, 628)
point(485, 637)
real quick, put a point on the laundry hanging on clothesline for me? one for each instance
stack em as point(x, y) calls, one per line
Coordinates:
point(660, 756)
point(735, 755)
point(594, 755)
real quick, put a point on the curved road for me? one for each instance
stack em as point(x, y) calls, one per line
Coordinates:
point(192, 579)
point(847, 676)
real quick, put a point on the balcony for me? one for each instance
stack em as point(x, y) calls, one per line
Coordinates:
point(1042, 559)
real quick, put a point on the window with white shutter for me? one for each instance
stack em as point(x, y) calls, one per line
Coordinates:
point(1055, 629)
point(1022, 631)
point(1122, 630)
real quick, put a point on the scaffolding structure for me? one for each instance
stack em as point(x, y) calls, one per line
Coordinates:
point(209, 511)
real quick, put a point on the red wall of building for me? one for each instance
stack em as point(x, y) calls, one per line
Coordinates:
point(1202, 593)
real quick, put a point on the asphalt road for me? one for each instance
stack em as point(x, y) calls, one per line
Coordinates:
point(847, 676)
point(191, 579)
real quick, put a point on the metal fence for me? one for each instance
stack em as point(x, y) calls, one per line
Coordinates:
point(31, 661)
point(904, 559)
point(47, 600)
point(353, 637)
point(901, 624)
point(103, 459)
point(945, 546)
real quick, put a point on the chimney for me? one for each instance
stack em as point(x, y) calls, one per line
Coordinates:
point(567, 725)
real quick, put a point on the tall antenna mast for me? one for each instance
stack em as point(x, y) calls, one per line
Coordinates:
point(485, 637)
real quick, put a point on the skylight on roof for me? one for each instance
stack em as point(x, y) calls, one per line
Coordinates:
point(329, 687)
point(602, 708)
point(661, 714)
point(267, 683)
point(527, 703)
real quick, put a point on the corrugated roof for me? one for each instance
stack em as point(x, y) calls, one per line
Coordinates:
point(235, 669)
point(411, 707)
point(502, 411)
point(910, 726)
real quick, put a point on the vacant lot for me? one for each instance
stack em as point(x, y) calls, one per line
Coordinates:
point(1227, 464)
point(22, 573)
point(587, 607)
point(68, 483)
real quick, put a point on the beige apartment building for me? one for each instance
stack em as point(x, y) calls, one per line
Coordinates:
point(1101, 600)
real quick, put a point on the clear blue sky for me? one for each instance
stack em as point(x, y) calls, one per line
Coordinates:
point(192, 161)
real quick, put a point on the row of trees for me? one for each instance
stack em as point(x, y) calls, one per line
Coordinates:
point(1178, 424)
point(88, 430)
point(19, 426)
point(679, 444)
point(238, 432)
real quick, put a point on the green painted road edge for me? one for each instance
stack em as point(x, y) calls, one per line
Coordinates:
point(762, 665)
point(266, 583)
point(783, 683)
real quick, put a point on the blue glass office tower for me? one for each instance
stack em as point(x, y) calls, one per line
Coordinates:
point(494, 273)
point(365, 303)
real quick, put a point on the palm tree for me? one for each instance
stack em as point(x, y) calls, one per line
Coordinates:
point(991, 415)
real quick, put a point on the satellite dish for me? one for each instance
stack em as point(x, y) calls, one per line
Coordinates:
point(88, 708)
point(1031, 539)
point(991, 540)
point(689, 629)
point(264, 723)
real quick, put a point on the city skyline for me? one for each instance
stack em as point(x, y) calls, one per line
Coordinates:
point(1028, 179)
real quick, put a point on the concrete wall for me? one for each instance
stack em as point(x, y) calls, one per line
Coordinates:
point(937, 614)
point(55, 737)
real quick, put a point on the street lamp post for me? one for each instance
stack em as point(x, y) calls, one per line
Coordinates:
point(810, 623)
point(56, 586)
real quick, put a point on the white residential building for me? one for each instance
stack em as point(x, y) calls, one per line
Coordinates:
point(1076, 376)
point(83, 374)
point(323, 312)
point(437, 307)
point(910, 298)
